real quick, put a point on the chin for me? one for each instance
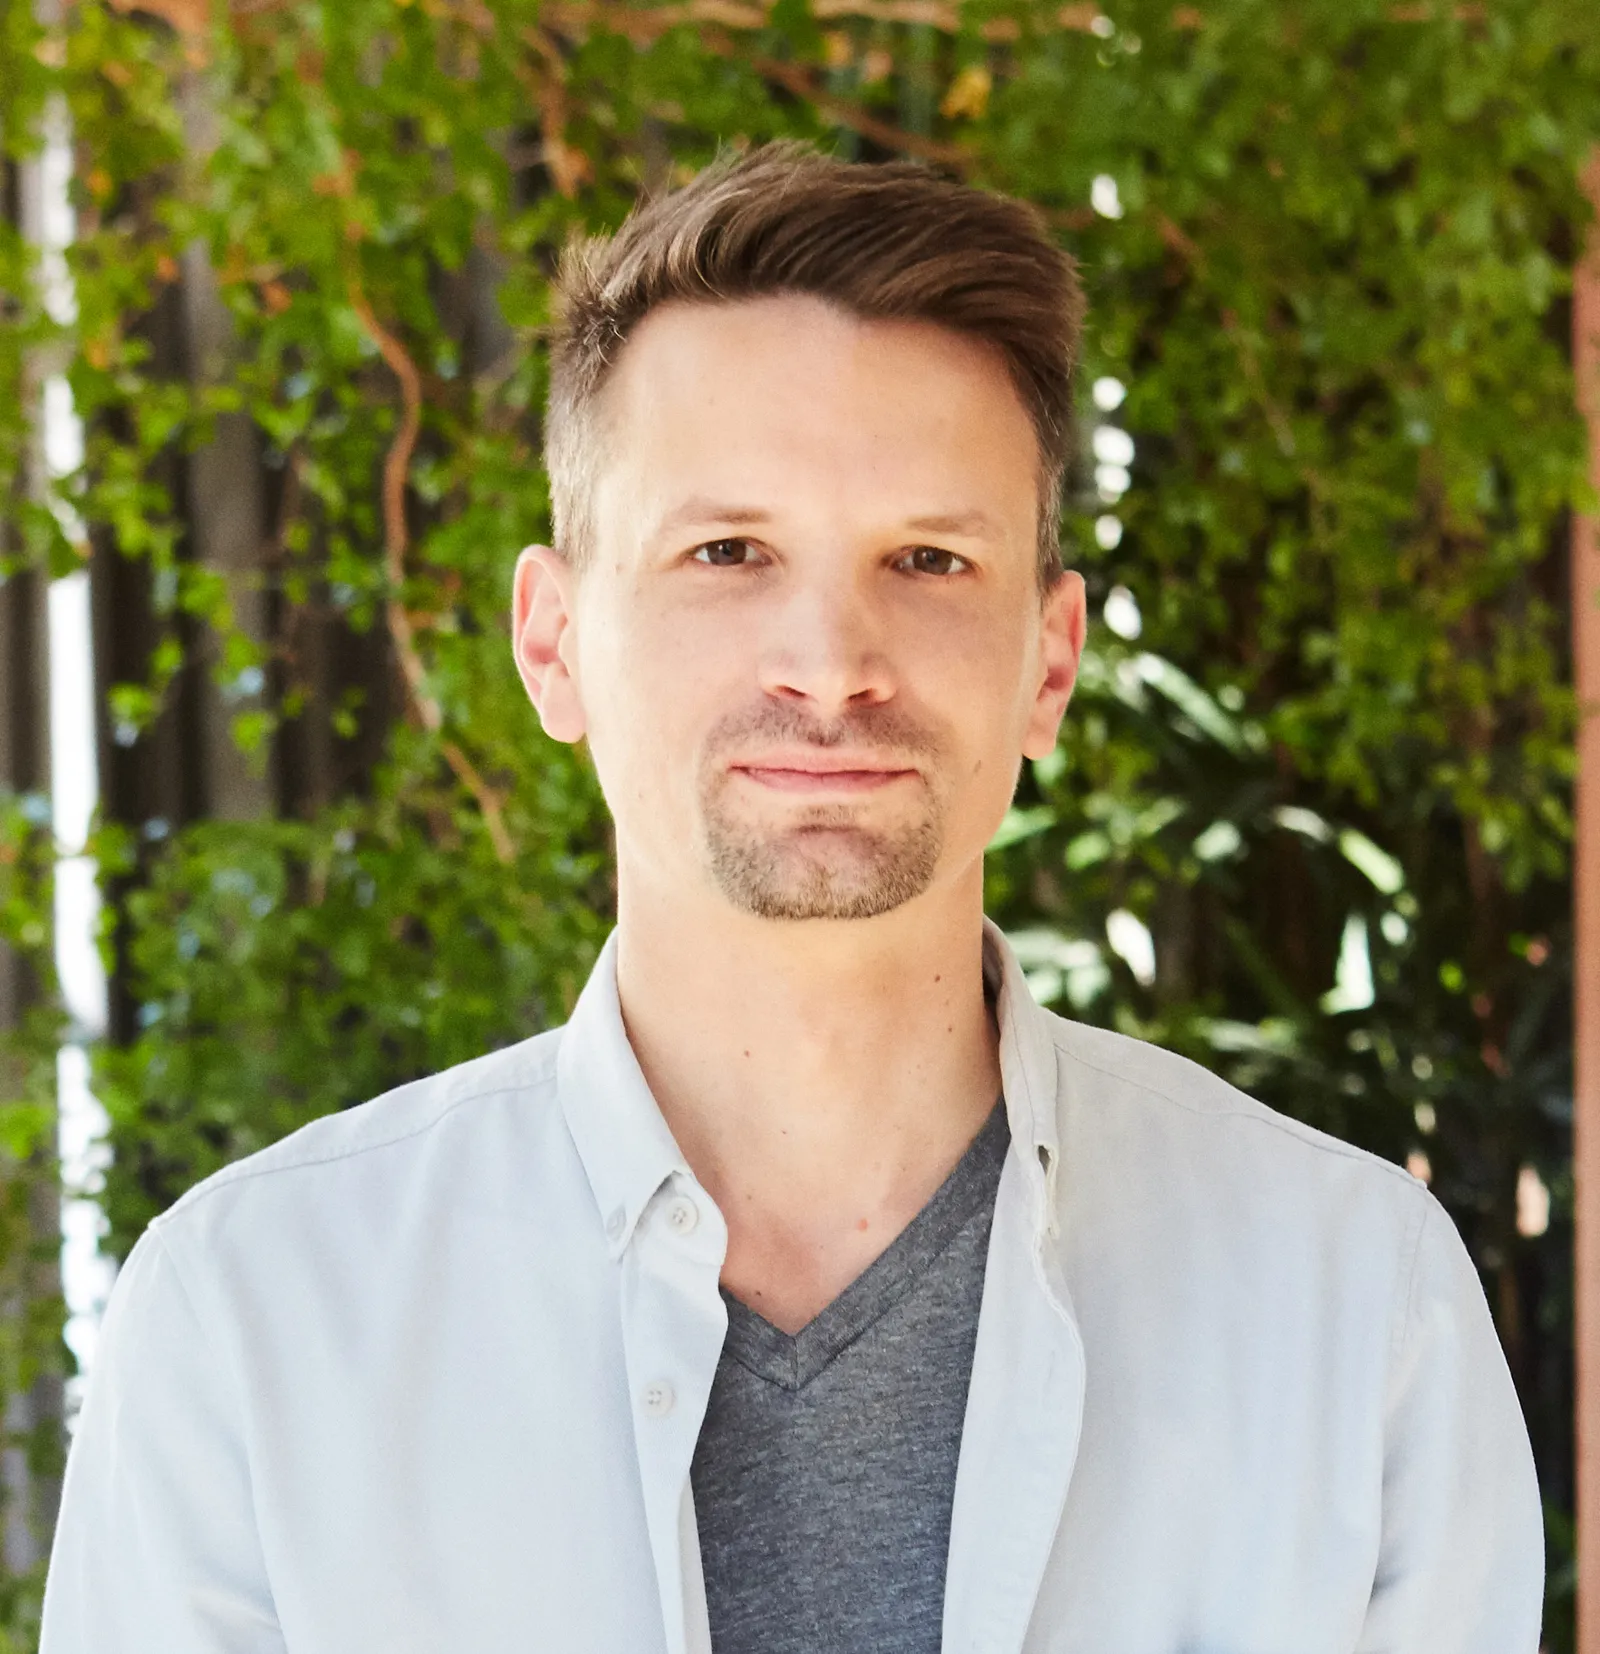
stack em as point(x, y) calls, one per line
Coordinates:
point(823, 872)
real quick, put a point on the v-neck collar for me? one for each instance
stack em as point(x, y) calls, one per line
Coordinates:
point(793, 1360)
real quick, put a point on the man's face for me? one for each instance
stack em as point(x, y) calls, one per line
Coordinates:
point(808, 650)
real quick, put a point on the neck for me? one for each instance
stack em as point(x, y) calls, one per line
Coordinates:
point(822, 1078)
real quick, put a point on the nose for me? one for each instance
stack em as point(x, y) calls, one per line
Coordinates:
point(826, 647)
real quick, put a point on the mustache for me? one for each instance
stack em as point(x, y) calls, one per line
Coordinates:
point(884, 729)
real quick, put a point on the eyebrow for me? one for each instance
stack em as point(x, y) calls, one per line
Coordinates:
point(701, 510)
point(976, 524)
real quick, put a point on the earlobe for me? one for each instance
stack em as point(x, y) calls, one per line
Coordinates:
point(542, 640)
point(1062, 627)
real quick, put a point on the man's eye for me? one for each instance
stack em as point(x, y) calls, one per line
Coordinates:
point(933, 560)
point(724, 554)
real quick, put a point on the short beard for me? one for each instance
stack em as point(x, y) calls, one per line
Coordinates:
point(783, 881)
point(824, 866)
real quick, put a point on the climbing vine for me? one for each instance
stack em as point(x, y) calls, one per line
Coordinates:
point(1309, 818)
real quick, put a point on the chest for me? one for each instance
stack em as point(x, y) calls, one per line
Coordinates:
point(445, 1471)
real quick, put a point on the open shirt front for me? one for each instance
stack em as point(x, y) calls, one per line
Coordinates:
point(427, 1375)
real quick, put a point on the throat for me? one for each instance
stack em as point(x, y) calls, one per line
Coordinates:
point(790, 1259)
point(820, 1094)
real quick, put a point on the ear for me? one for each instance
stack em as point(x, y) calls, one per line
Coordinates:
point(1061, 630)
point(544, 640)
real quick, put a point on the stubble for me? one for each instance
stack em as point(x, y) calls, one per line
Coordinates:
point(823, 863)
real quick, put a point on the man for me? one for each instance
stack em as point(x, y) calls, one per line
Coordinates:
point(812, 1290)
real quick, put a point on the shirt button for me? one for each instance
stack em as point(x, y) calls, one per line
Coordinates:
point(682, 1215)
point(657, 1398)
point(615, 1222)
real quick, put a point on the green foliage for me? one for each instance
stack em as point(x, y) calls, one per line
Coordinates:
point(1333, 278)
point(31, 1310)
point(288, 969)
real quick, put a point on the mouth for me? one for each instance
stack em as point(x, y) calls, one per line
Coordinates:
point(814, 774)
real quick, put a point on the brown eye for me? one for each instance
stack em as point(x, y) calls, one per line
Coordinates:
point(723, 554)
point(933, 560)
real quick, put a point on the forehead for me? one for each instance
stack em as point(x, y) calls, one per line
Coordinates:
point(790, 392)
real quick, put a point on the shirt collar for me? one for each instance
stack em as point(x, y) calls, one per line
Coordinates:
point(1027, 1071)
point(628, 1152)
point(622, 1139)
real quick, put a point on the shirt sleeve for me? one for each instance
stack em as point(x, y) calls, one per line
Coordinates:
point(156, 1550)
point(1461, 1566)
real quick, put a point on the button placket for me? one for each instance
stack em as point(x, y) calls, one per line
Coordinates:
point(673, 1325)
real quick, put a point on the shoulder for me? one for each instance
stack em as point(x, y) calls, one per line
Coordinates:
point(410, 1120)
point(1167, 1168)
point(1138, 1092)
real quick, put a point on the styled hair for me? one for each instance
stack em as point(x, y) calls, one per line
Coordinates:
point(891, 241)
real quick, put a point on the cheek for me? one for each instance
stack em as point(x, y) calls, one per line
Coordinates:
point(650, 688)
point(976, 685)
point(975, 675)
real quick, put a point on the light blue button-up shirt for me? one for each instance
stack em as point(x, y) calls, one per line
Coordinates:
point(426, 1377)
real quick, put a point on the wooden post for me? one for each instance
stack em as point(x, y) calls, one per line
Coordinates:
point(1586, 945)
point(226, 507)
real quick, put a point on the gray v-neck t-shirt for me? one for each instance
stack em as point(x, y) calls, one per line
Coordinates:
point(826, 1467)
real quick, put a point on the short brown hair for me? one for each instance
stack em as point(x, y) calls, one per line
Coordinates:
point(893, 241)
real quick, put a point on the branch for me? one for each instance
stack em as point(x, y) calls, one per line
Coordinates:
point(936, 14)
point(568, 167)
point(1276, 419)
point(842, 112)
point(396, 539)
point(647, 23)
point(397, 462)
point(643, 27)
point(187, 18)
point(642, 24)
point(190, 18)
point(1426, 12)
point(1399, 11)
point(1177, 239)
point(488, 801)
